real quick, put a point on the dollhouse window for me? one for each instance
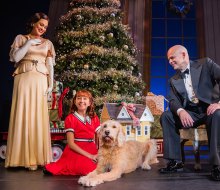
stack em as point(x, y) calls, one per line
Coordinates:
point(138, 131)
point(146, 130)
point(128, 130)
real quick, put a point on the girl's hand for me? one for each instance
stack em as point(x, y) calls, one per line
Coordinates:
point(94, 158)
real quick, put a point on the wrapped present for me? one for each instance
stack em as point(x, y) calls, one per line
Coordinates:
point(159, 147)
point(155, 103)
point(53, 96)
point(57, 87)
point(54, 115)
point(52, 105)
point(57, 124)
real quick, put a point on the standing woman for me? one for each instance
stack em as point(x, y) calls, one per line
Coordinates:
point(29, 143)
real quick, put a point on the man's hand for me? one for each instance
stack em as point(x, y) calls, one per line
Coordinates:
point(185, 119)
point(212, 108)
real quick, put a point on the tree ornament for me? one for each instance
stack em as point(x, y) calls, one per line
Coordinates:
point(86, 66)
point(77, 44)
point(125, 47)
point(137, 94)
point(133, 50)
point(110, 35)
point(102, 38)
point(112, 14)
point(78, 17)
point(115, 87)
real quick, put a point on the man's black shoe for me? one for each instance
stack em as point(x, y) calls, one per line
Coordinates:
point(215, 174)
point(46, 172)
point(172, 167)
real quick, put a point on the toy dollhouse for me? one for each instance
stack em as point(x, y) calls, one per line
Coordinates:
point(126, 114)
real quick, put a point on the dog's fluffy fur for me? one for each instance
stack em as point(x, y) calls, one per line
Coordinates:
point(117, 156)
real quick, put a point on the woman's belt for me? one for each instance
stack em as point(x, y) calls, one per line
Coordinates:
point(83, 140)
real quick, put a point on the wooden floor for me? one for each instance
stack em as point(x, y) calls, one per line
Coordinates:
point(22, 179)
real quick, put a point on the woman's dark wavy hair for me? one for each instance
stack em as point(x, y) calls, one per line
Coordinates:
point(35, 18)
point(91, 109)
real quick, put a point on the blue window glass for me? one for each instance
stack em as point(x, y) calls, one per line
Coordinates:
point(158, 47)
point(189, 28)
point(158, 28)
point(158, 67)
point(158, 85)
point(174, 28)
point(158, 10)
point(191, 46)
point(170, 69)
point(173, 41)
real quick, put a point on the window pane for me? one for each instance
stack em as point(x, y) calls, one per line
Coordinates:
point(158, 28)
point(158, 67)
point(158, 47)
point(158, 85)
point(158, 9)
point(191, 46)
point(189, 28)
point(174, 28)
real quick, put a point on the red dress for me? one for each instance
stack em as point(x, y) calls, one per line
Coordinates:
point(71, 162)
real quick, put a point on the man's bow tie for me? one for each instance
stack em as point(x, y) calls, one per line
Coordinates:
point(186, 72)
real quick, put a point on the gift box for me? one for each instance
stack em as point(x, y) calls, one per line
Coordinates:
point(54, 115)
point(57, 124)
point(159, 147)
point(52, 105)
point(155, 103)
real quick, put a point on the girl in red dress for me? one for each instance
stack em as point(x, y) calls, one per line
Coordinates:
point(80, 154)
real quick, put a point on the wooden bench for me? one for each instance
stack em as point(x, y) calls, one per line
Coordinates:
point(198, 136)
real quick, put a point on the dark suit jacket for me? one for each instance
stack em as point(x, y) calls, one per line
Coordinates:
point(205, 75)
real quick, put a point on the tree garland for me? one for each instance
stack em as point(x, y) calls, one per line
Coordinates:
point(180, 11)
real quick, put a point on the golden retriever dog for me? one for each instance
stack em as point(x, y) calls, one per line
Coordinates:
point(117, 156)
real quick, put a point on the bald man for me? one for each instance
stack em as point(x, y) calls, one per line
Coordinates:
point(194, 99)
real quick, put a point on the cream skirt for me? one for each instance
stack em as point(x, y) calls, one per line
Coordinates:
point(29, 142)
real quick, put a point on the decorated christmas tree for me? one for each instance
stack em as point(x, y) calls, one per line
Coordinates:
point(96, 52)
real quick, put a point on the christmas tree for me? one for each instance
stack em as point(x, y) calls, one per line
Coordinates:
point(96, 52)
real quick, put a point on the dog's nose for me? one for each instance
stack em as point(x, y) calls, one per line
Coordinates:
point(107, 132)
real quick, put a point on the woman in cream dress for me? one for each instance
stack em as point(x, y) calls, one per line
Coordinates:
point(29, 143)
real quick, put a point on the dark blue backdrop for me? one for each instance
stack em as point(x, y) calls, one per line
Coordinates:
point(13, 17)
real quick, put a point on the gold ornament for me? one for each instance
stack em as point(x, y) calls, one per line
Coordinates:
point(125, 47)
point(86, 66)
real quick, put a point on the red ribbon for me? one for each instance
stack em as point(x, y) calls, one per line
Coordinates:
point(54, 124)
point(53, 100)
point(131, 109)
point(60, 102)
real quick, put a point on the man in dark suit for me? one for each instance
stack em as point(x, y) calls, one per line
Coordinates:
point(194, 99)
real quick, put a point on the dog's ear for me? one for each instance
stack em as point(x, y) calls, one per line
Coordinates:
point(121, 136)
point(100, 135)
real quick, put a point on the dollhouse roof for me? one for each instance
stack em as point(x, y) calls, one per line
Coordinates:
point(119, 112)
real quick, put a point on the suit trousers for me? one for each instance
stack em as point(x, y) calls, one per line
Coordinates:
point(171, 137)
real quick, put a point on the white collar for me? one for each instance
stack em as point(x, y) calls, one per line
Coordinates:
point(83, 119)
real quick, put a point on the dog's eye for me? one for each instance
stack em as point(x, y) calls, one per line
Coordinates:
point(113, 126)
point(104, 126)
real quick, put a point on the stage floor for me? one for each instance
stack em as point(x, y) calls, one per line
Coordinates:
point(22, 179)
